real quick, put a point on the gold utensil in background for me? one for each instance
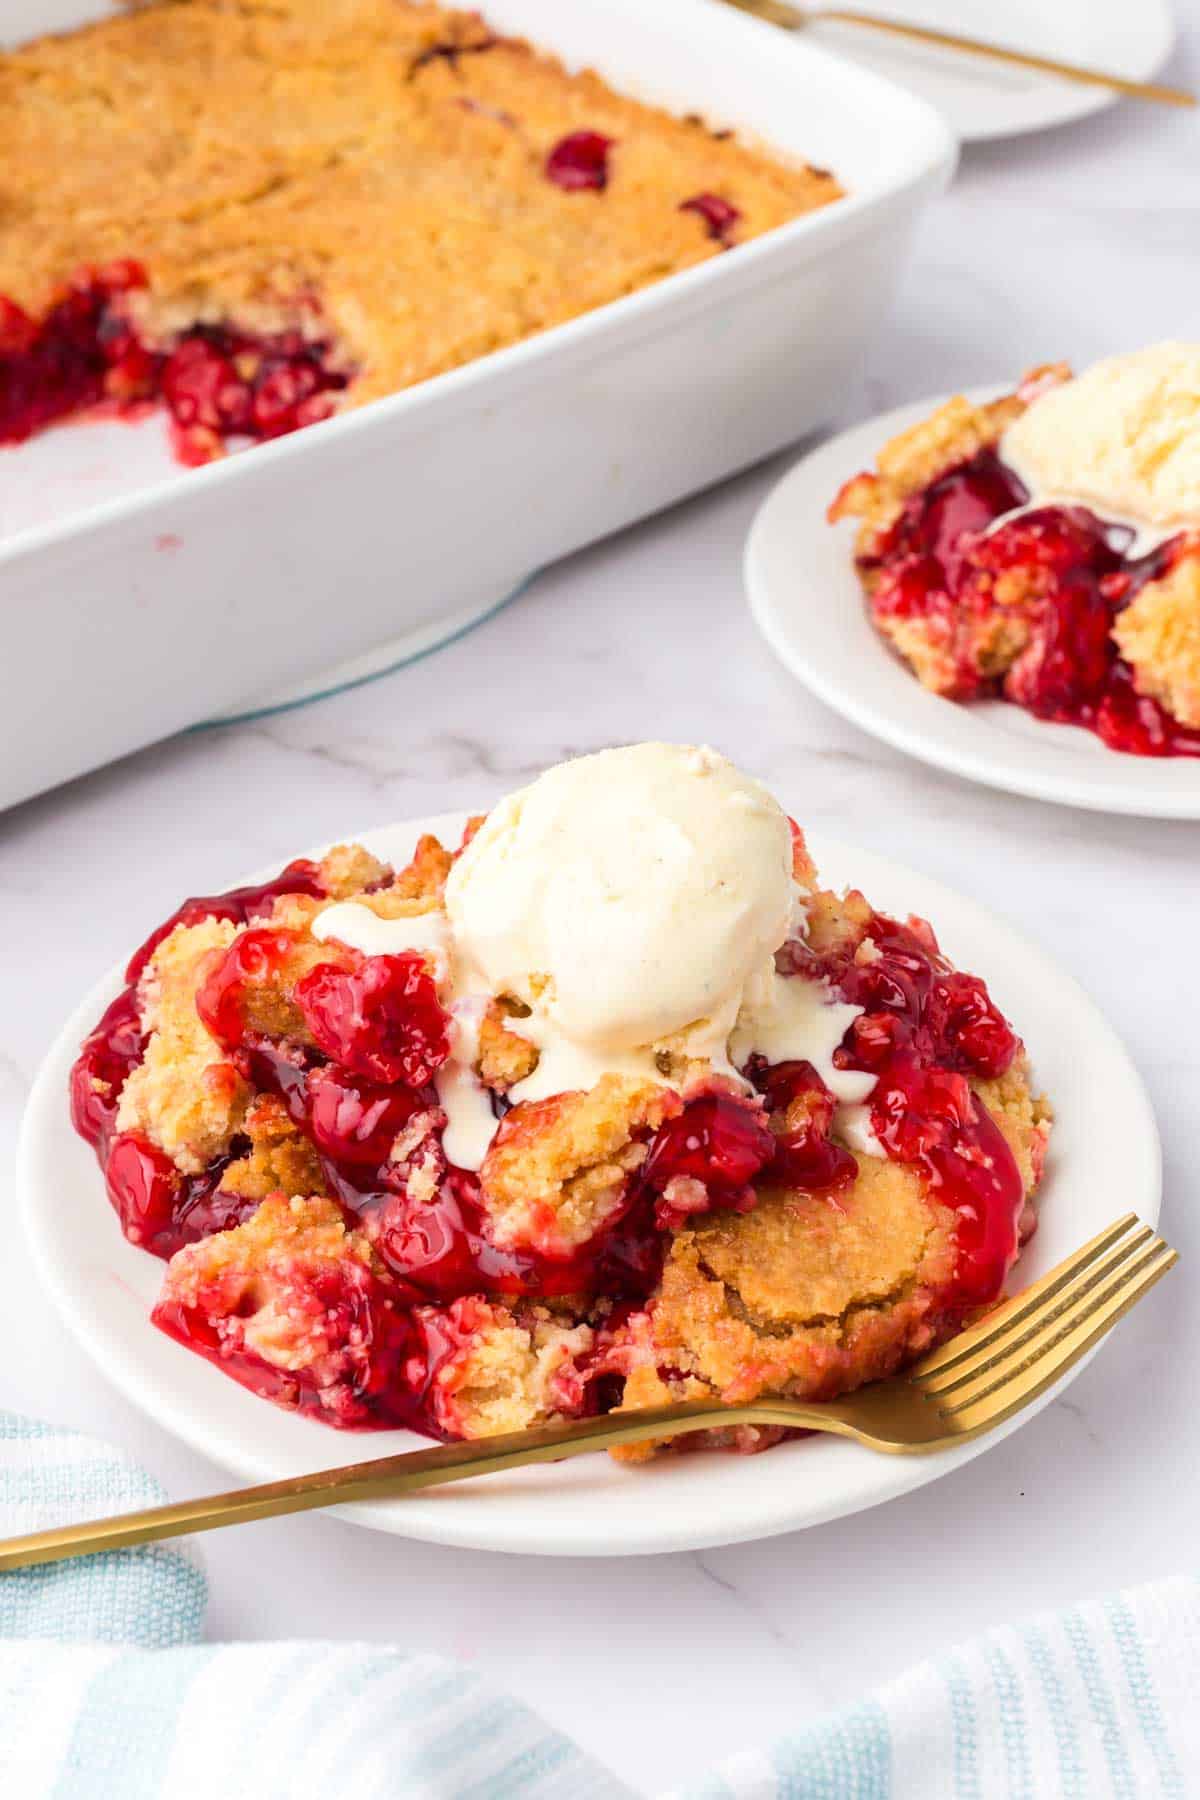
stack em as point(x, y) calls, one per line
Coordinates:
point(969, 1386)
point(796, 18)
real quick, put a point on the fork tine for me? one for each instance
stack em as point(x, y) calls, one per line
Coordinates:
point(1013, 1313)
point(1070, 1339)
point(1055, 1322)
point(1055, 1304)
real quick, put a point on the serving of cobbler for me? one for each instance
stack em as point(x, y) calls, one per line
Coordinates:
point(609, 1104)
point(1044, 548)
point(255, 213)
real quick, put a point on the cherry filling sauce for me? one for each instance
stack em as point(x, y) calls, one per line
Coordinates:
point(924, 1030)
point(803, 1154)
point(706, 1156)
point(384, 1360)
point(937, 564)
point(161, 1210)
point(216, 383)
point(78, 353)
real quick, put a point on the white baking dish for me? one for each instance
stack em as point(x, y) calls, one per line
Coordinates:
point(133, 615)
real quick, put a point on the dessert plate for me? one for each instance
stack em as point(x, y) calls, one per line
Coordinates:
point(806, 600)
point(1104, 1160)
point(980, 99)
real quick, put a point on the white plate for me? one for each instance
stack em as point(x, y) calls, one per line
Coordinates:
point(1104, 1161)
point(980, 99)
point(807, 602)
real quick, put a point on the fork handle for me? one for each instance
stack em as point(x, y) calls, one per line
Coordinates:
point(1022, 59)
point(792, 18)
point(391, 1476)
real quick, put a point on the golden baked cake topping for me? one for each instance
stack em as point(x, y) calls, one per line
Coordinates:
point(262, 211)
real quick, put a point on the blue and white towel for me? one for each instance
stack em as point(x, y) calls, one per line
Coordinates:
point(108, 1693)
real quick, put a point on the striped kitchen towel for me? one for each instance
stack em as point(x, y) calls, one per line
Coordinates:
point(107, 1693)
point(1089, 1704)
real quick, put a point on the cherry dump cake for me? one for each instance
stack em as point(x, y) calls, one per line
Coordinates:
point(610, 1104)
point(1045, 548)
point(256, 212)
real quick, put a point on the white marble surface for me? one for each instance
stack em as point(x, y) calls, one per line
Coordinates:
point(1073, 244)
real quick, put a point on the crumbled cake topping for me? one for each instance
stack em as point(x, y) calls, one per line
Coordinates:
point(280, 1157)
point(184, 1093)
point(1158, 634)
point(509, 1374)
point(558, 1168)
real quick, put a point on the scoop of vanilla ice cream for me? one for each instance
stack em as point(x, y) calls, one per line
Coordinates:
point(626, 896)
point(1124, 437)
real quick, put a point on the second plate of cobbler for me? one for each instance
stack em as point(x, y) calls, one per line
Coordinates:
point(623, 1093)
point(1008, 585)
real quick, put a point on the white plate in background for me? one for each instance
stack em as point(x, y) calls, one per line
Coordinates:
point(1104, 1160)
point(808, 603)
point(982, 99)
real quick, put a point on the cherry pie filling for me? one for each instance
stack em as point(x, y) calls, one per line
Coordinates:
point(361, 1088)
point(924, 1030)
point(943, 558)
point(216, 383)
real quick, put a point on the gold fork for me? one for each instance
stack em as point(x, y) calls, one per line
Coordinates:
point(795, 18)
point(969, 1386)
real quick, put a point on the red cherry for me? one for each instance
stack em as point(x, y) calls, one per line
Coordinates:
point(579, 161)
point(201, 386)
point(804, 1156)
point(279, 394)
point(18, 333)
point(381, 1019)
point(354, 1121)
point(970, 1031)
point(252, 960)
point(719, 1141)
point(720, 216)
point(143, 1184)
